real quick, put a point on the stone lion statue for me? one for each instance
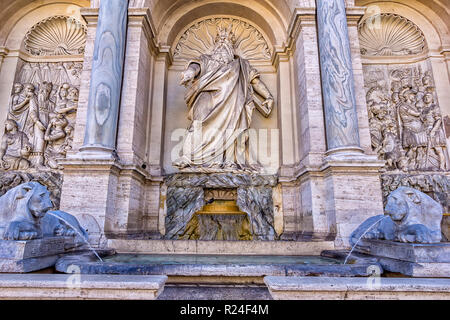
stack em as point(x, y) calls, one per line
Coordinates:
point(411, 217)
point(25, 215)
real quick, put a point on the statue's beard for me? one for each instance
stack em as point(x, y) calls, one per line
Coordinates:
point(224, 52)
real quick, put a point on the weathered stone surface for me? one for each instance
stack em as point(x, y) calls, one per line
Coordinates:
point(412, 252)
point(33, 248)
point(182, 203)
point(214, 293)
point(418, 270)
point(257, 202)
point(415, 260)
point(186, 196)
point(27, 265)
point(207, 266)
point(290, 248)
point(32, 255)
point(437, 186)
point(220, 180)
point(98, 287)
point(323, 288)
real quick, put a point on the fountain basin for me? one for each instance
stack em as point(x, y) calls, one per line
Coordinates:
point(221, 268)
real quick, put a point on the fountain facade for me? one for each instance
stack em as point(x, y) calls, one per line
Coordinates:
point(208, 127)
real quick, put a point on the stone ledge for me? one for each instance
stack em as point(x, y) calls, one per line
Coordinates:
point(325, 288)
point(32, 255)
point(95, 287)
point(410, 252)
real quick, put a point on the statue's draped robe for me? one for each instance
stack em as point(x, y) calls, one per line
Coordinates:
point(221, 103)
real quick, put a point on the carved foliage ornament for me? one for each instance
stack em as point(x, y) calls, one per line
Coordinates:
point(389, 34)
point(58, 35)
point(199, 39)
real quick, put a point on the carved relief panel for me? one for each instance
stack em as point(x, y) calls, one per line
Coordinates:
point(405, 120)
point(42, 109)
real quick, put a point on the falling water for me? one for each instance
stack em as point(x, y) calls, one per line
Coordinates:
point(368, 229)
point(78, 232)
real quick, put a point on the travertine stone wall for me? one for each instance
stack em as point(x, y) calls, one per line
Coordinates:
point(321, 198)
point(309, 95)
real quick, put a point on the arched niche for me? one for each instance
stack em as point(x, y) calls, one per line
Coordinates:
point(198, 38)
point(183, 13)
point(26, 14)
point(429, 17)
point(175, 31)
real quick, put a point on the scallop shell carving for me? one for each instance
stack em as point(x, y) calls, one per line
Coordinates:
point(389, 34)
point(199, 39)
point(58, 35)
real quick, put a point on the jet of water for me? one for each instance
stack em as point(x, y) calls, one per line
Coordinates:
point(78, 232)
point(368, 229)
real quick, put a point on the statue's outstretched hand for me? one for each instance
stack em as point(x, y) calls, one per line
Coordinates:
point(268, 104)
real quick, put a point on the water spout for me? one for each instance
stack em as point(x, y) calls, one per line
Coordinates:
point(79, 233)
point(368, 229)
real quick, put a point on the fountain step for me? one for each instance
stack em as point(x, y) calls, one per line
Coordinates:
point(322, 288)
point(285, 248)
point(215, 292)
point(410, 252)
point(411, 259)
point(62, 286)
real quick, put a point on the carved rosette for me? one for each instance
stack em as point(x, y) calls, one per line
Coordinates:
point(58, 35)
point(388, 34)
point(199, 38)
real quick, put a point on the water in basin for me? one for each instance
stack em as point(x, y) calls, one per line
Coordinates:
point(147, 259)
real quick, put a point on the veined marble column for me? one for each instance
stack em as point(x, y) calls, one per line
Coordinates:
point(106, 78)
point(337, 77)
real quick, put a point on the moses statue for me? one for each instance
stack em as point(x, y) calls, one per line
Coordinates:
point(221, 95)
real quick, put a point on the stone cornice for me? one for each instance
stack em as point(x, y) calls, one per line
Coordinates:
point(307, 17)
point(104, 165)
point(362, 165)
point(137, 17)
point(142, 18)
point(354, 15)
point(90, 15)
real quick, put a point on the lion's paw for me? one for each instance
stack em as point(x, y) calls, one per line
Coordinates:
point(28, 235)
